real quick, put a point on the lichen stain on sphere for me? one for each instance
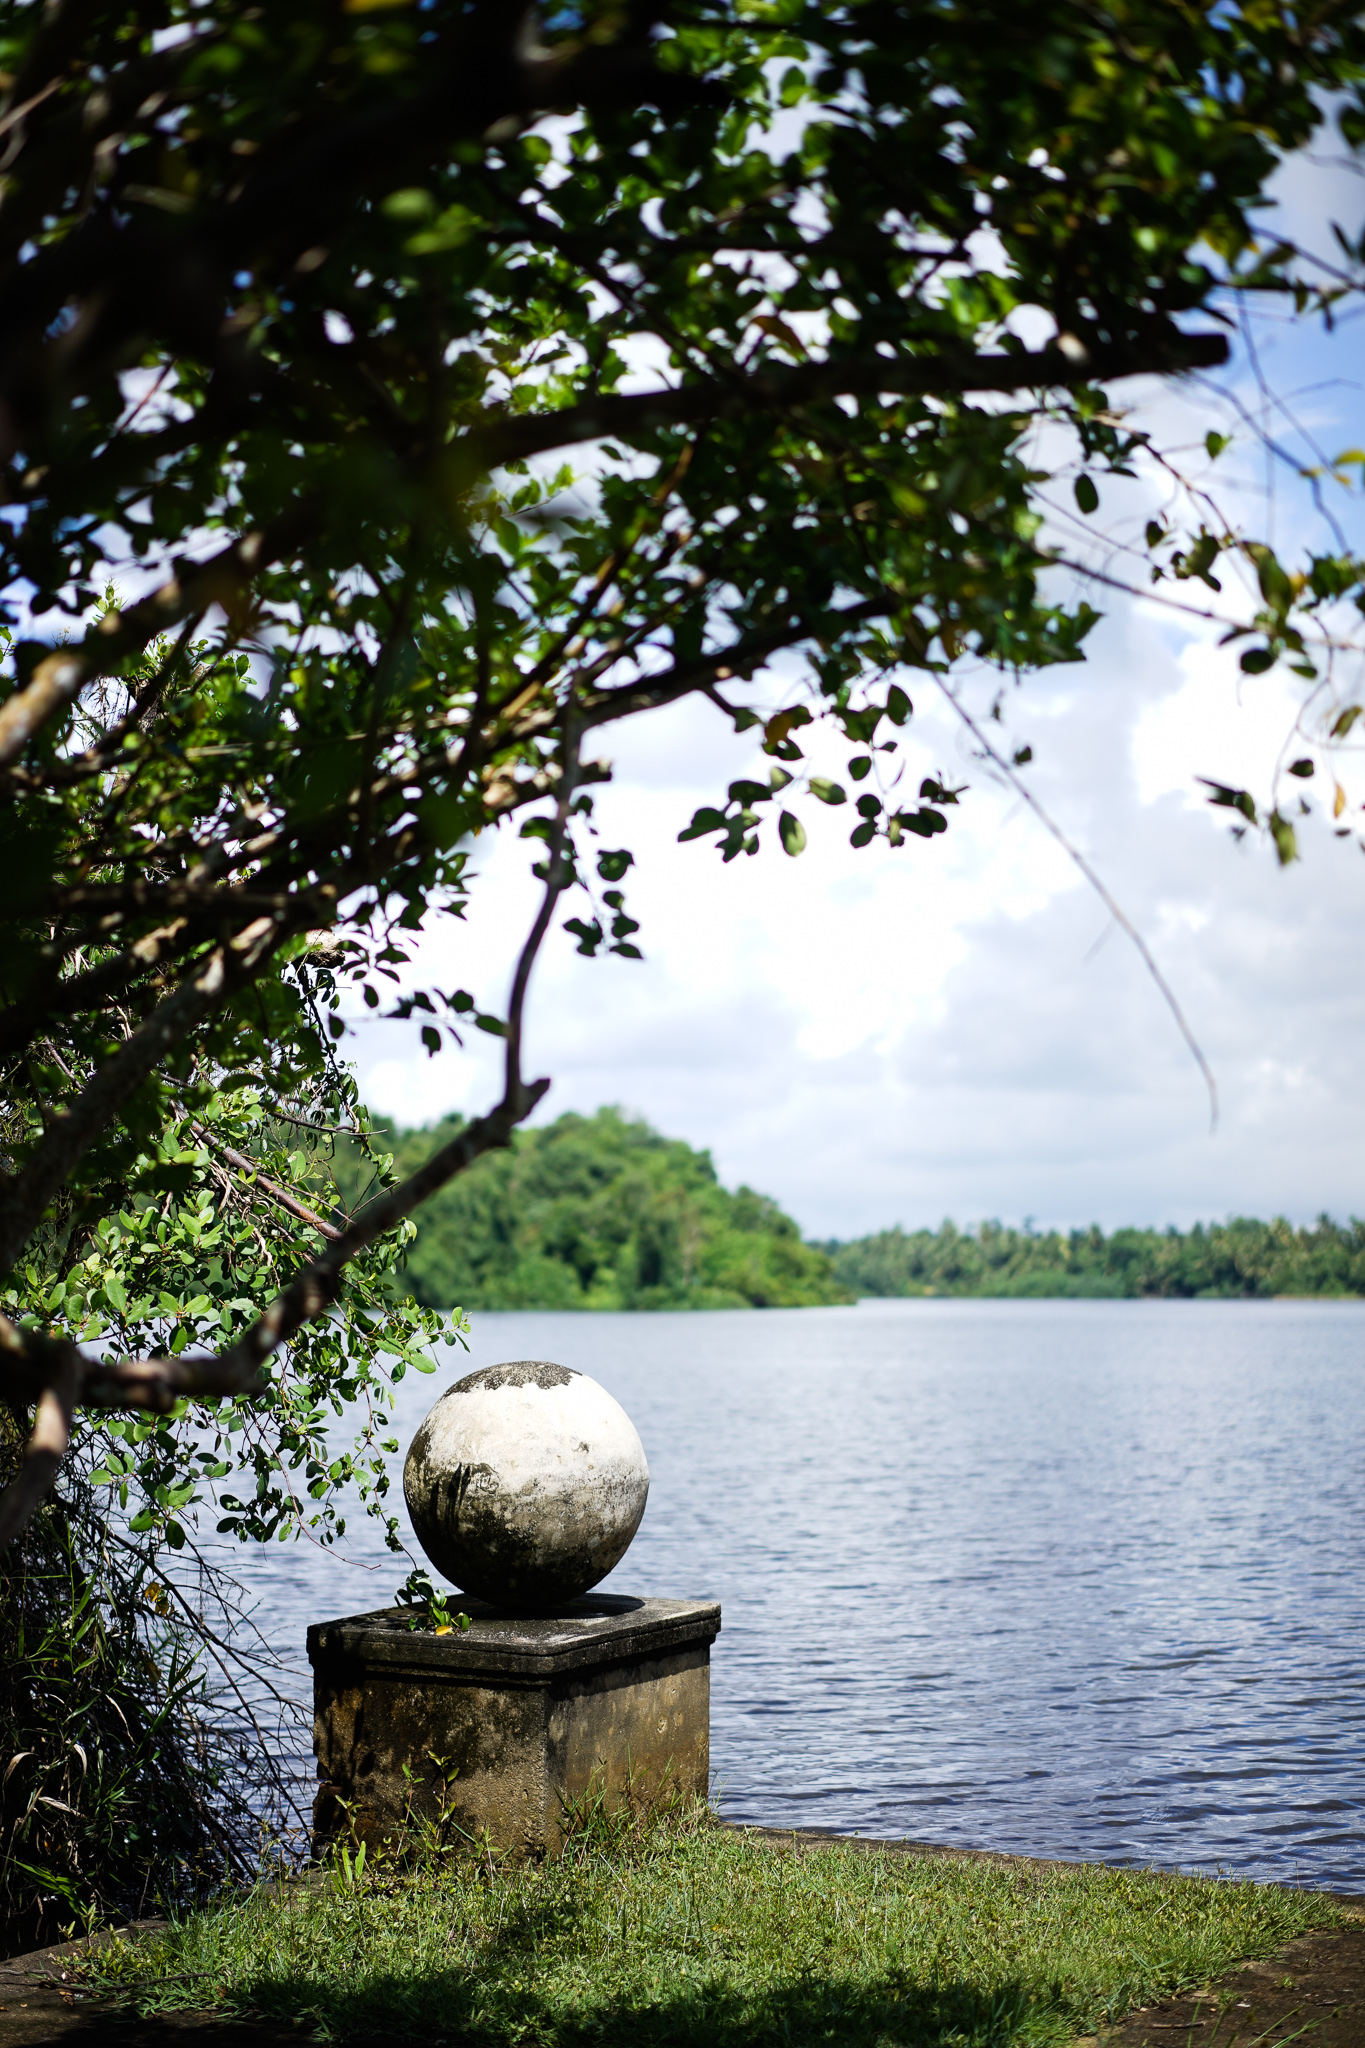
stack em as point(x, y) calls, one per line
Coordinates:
point(525, 1484)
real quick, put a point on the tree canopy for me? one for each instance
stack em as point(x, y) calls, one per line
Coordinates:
point(602, 1212)
point(302, 309)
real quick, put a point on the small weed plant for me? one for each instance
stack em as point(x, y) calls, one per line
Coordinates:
point(659, 1929)
point(428, 1609)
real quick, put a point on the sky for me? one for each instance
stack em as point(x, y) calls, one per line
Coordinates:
point(956, 1028)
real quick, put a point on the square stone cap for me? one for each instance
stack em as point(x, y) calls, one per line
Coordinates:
point(604, 1628)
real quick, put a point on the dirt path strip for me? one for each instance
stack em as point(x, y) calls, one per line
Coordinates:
point(1313, 1994)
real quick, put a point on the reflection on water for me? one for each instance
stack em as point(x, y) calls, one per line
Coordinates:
point(1078, 1579)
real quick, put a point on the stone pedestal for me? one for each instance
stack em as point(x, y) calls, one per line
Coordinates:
point(499, 1726)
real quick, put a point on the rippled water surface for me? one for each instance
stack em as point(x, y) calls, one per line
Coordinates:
point(1078, 1579)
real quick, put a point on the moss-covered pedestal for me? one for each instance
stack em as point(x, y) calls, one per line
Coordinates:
point(502, 1725)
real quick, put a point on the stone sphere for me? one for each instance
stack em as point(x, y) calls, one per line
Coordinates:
point(525, 1484)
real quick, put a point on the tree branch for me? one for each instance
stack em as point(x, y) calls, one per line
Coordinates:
point(776, 388)
point(649, 692)
point(60, 676)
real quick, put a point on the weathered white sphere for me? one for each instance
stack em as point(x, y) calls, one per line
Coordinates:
point(526, 1483)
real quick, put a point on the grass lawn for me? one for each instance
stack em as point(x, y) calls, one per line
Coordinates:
point(687, 1932)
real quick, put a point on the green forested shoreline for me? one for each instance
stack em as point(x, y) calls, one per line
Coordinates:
point(602, 1212)
point(1238, 1260)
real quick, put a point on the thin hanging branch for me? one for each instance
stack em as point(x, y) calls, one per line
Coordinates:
point(1120, 917)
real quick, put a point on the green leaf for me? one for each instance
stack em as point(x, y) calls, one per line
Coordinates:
point(1286, 844)
point(1087, 497)
point(707, 819)
point(827, 791)
point(1227, 798)
point(417, 1359)
point(412, 202)
point(792, 834)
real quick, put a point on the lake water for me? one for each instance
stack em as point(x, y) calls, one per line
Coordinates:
point(1074, 1579)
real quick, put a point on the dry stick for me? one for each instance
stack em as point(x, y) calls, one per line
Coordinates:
point(1124, 923)
point(271, 1187)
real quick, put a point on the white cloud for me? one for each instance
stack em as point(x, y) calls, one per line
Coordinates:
point(885, 1036)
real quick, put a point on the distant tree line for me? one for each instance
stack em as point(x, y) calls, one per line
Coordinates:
point(601, 1212)
point(1241, 1259)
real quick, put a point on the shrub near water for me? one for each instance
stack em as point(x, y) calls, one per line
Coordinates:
point(693, 1933)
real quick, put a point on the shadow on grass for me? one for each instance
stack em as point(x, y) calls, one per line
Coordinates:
point(464, 2006)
